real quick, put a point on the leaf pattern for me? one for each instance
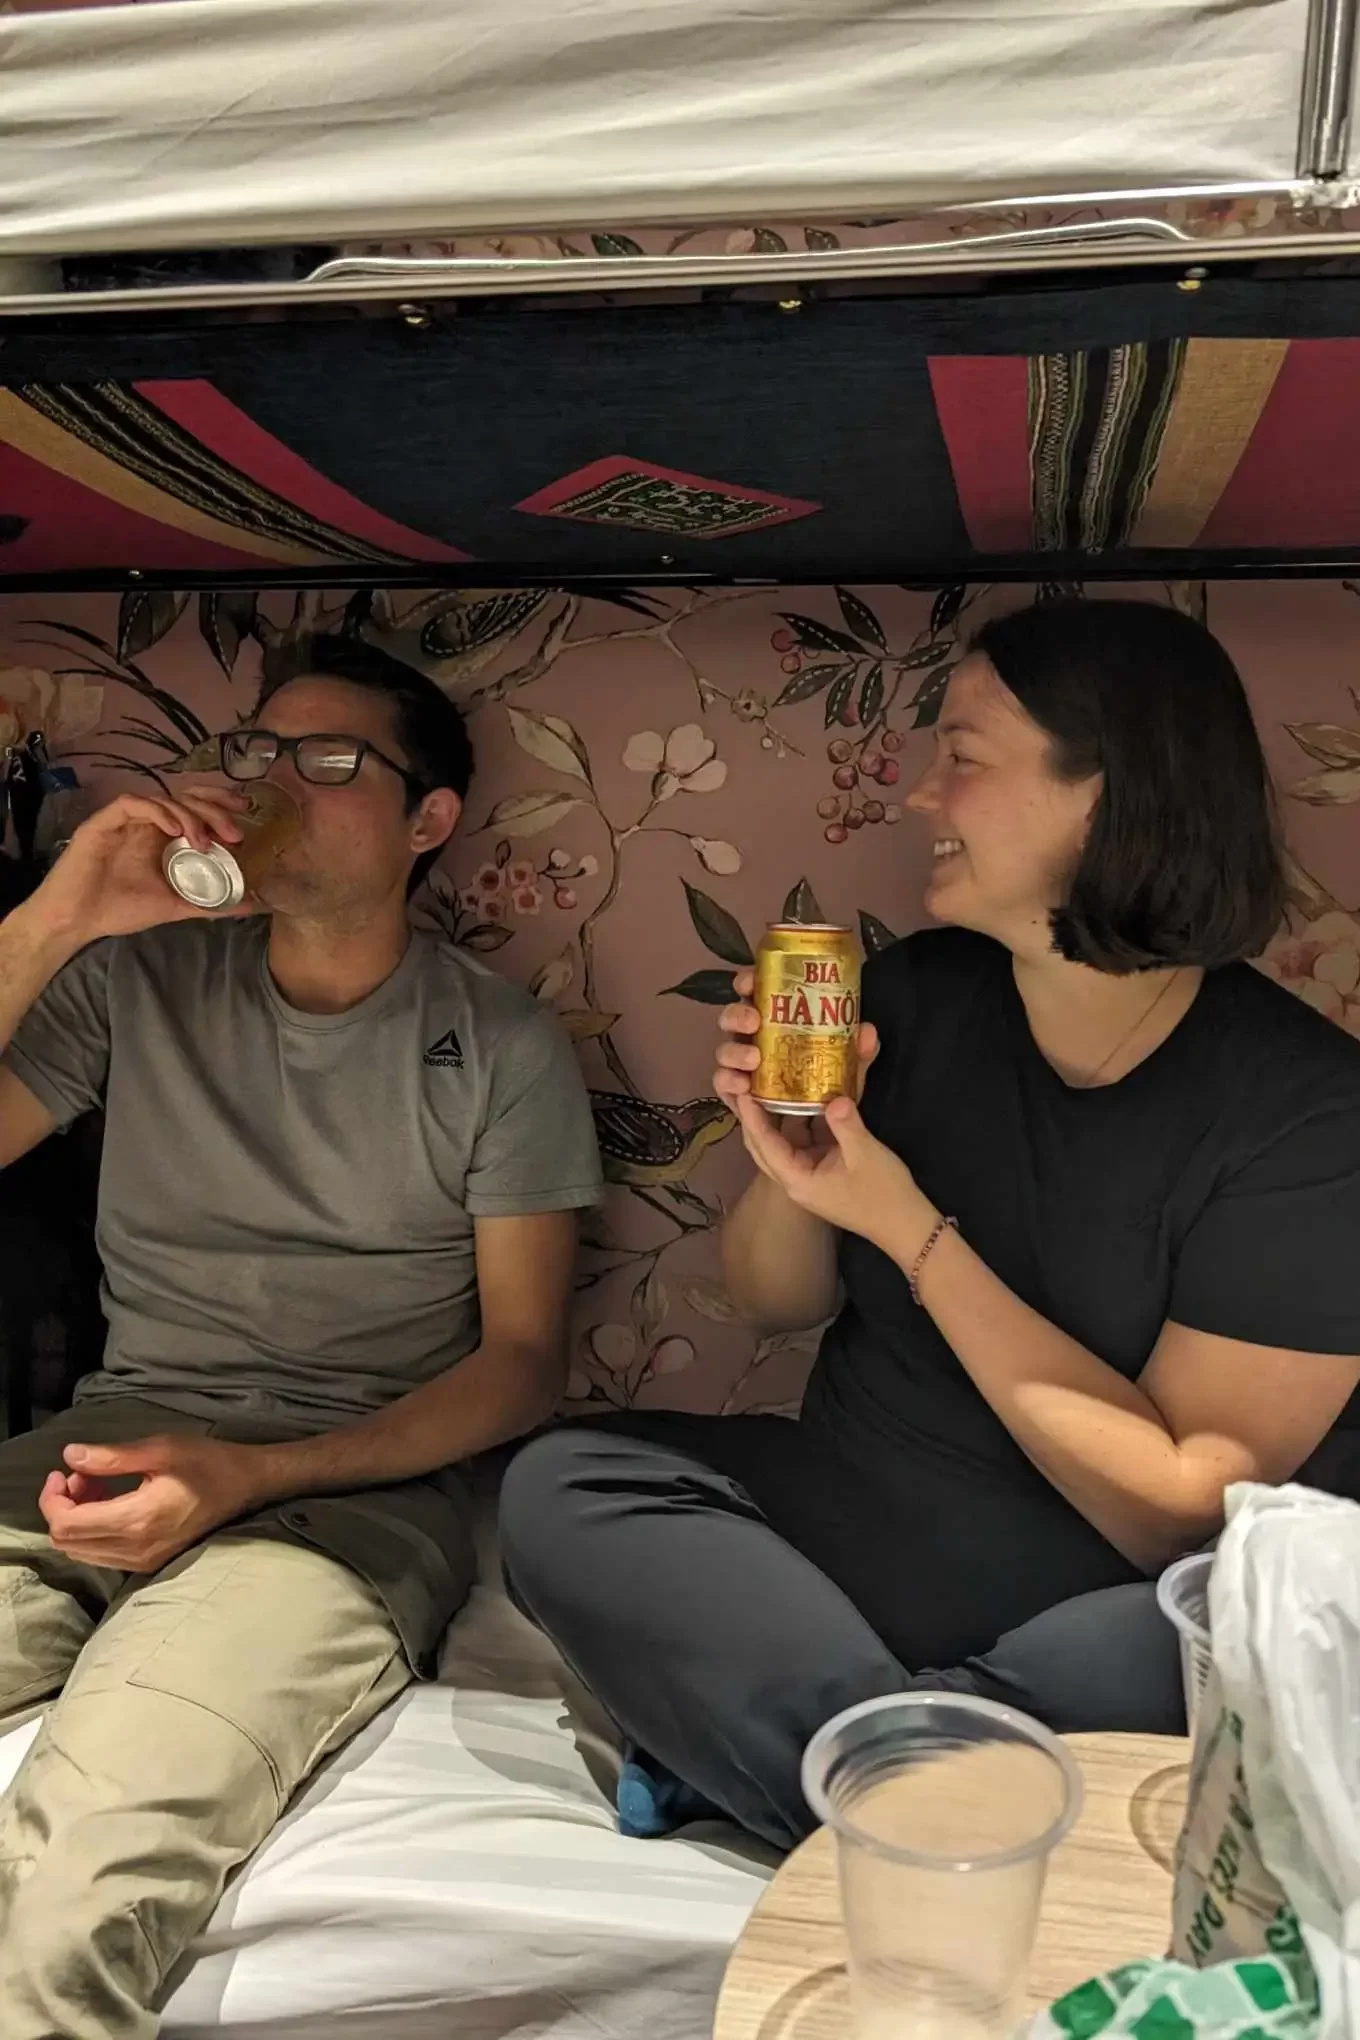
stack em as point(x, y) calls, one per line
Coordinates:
point(1327, 742)
point(529, 814)
point(928, 699)
point(812, 680)
point(224, 619)
point(874, 934)
point(860, 620)
point(838, 700)
point(629, 738)
point(716, 928)
point(928, 654)
point(705, 987)
point(821, 637)
point(144, 617)
point(103, 662)
point(871, 696)
point(551, 740)
point(710, 1300)
point(946, 606)
point(649, 1305)
point(485, 938)
point(1329, 789)
point(801, 906)
point(583, 1025)
point(552, 979)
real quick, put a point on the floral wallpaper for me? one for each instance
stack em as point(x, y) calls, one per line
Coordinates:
point(660, 773)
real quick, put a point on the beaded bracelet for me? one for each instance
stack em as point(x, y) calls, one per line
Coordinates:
point(938, 1231)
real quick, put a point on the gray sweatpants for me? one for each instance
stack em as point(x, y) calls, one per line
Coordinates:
point(703, 1577)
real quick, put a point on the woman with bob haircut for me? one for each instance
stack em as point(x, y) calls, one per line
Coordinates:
point(1087, 1244)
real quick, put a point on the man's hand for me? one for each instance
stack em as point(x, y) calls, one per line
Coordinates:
point(108, 880)
point(188, 1487)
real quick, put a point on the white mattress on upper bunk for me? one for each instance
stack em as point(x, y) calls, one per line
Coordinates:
point(456, 1874)
point(211, 122)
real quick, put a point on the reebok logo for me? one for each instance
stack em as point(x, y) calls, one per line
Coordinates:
point(446, 1053)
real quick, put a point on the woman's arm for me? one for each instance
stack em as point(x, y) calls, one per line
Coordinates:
point(1145, 1462)
point(779, 1262)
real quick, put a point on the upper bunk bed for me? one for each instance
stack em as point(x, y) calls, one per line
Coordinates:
point(322, 126)
point(449, 291)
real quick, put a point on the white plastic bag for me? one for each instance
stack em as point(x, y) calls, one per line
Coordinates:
point(1284, 1612)
point(1226, 1906)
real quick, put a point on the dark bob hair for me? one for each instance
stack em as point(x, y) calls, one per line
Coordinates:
point(428, 727)
point(1182, 864)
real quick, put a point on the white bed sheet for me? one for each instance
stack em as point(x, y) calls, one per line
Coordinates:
point(203, 122)
point(456, 1874)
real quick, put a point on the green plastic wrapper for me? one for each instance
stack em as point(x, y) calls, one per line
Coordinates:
point(1269, 1997)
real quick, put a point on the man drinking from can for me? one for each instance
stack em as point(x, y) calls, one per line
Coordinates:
point(341, 1167)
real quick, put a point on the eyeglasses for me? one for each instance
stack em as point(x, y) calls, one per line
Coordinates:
point(320, 760)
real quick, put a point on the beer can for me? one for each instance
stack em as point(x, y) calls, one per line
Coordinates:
point(209, 878)
point(807, 996)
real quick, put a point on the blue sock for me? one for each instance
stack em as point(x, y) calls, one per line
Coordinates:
point(653, 1802)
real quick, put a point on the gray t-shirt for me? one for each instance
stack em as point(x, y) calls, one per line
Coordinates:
point(287, 1199)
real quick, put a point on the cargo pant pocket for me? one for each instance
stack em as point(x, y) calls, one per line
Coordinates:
point(279, 1641)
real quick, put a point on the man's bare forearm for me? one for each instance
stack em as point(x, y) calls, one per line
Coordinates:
point(33, 948)
point(498, 1393)
point(779, 1262)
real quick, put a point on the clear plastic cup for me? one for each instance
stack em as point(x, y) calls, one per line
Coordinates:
point(1183, 1597)
point(945, 1810)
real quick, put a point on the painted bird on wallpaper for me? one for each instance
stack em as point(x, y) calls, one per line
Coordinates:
point(449, 636)
point(651, 1147)
point(452, 635)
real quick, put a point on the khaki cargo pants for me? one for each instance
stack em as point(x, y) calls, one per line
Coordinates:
point(195, 1703)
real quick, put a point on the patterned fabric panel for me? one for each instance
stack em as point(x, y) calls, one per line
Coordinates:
point(864, 439)
point(1158, 445)
point(1096, 423)
point(153, 473)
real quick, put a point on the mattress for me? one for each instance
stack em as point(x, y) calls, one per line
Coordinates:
point(198, 123)
point(455, 1874)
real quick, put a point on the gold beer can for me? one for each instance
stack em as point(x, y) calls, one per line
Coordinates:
point(807, 996)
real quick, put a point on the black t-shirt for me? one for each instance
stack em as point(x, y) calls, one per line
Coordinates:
point(1217, 1185)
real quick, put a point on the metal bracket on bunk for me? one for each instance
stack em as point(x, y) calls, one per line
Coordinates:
point(1328, 93)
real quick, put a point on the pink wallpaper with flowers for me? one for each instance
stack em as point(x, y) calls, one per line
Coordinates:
point(661, 773)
